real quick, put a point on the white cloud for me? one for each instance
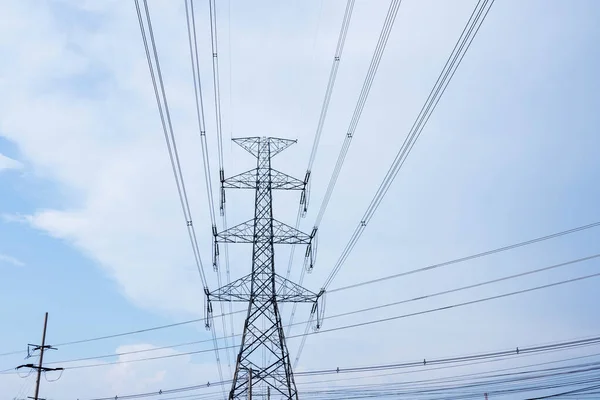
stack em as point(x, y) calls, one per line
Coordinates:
point(9, 163)
point(4, 258)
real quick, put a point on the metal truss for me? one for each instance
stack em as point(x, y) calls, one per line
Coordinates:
point(244, 233)
point(285, 291)
point(279, 180)
point(263, 289)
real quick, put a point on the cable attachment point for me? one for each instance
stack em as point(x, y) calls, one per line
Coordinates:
point(209, 309)
point(310, 256)
point(222, 178)
point(318, 310)
point(215, 250)
point(305, 195)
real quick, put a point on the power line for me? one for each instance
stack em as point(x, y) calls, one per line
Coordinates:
point(169, 135)
point(377, 321)
point(469, 32)
point(362, 99)
point(304, 199)
point(470, 257)
point(330, 85)
point(434, 266)
point(194, 59)
point(475, 374)
point(457, 305)
point(219, 128)
point(533, 349)
point(460, 49)
point(171, 143)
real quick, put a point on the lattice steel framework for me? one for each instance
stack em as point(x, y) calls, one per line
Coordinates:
point(263, 288)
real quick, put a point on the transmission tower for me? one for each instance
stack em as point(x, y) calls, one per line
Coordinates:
point(263, 288)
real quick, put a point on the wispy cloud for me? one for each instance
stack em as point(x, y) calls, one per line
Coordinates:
point(9, 163)
point(6, 259)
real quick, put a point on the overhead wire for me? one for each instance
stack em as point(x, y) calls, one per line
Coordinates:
point(468, 364)
point(169, 135)
point(304, 200)
point(533, 349)
point(469, 257)
point(373, 67)
point(469, 32)
point(444, 292)
point(170, 141)
point(195, 63)
point(359, 284)
point(362, 99)
point(214, 43)
point(461, 47)
point(370, 322)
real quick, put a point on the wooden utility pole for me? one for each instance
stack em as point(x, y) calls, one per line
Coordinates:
point(40, 367)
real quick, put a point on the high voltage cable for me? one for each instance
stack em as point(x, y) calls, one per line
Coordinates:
point(217, 98)
point(232, 119)
point(427, 311)
point(362, 99)
point(330, 85)
point(503, 379)
point(214, 43)
point(216, 82)
point(303, 342)
point(194, 59)
point(461, 376)
point(457, 359)
point(470, 257)
point(172, 146)
point(460, 49)
point(593, 387)
point(337, 56)
point(446, 263)
point(418, 298)
point(383, 389)
point(405, 365)
point(169, 135)
point(457, 305)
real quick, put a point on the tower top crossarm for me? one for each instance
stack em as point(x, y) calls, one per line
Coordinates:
point(253, 144)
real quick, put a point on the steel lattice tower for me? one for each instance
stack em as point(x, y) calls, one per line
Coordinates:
point(263, 288)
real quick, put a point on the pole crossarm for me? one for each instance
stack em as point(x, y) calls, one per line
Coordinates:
point(286, 291)
point(279, 181)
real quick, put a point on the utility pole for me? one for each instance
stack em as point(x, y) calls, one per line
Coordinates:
point(40, 367)
point(263, 288)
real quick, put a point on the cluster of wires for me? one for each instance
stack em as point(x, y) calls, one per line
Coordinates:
point(461, 47)
point(520, 379)
point(445, 307)
point(163, 108)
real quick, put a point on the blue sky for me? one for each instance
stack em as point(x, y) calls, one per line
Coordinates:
point(91, 230)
